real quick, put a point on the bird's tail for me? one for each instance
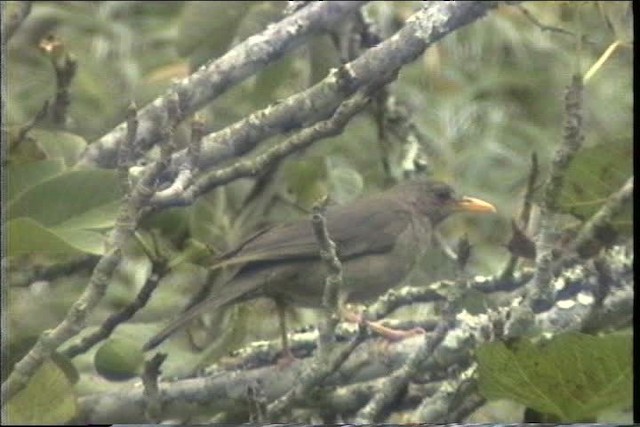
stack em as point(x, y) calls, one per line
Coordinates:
point(239, 289)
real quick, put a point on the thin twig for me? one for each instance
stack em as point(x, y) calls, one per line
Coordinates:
point(430, 24)
point(542, 26)
point(24, 130)
point(69, 327)
point(612, 207)
point(126, 148)
point(153, 402)
point(572, 141)
point(65, 67)
point(218, 76)
point(252, 167)
point(190, 167)
point(217, 388)
point(325, 362)
point(455, 394)
point(314, 376)
point(525, 213)
point(159, 270)
point(398, 380)
point(74, 321)
point(333, 281)
point(48, 273)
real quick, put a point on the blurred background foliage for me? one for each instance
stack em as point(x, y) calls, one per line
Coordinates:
point(483, 99)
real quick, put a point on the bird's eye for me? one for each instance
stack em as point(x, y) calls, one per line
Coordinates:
point(443, 194)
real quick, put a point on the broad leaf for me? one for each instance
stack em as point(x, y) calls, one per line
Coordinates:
point(67, 196)
point(25, 175)
point(206, 29)
point(60, 145)
point(594, 174)
point(26, 235)
point(574, 376)
point(47, 399)
point(101, 217)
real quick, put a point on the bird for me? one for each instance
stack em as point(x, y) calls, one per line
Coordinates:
point(378, 240)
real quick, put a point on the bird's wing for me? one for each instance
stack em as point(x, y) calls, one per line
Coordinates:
point(356, 229)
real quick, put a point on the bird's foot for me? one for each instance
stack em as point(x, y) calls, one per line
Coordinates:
point(394, 334)
point(390, 334)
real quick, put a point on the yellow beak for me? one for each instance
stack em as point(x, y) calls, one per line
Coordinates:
point(471, 204)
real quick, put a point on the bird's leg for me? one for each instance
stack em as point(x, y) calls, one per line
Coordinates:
point(287, 356)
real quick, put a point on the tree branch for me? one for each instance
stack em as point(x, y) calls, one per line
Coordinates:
point(367, 368)
point(433, 22)
point(215, 78)
point(75, 319)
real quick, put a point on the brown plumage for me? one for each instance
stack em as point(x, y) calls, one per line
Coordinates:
point(378, 239)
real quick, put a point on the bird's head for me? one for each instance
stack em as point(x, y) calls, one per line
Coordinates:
point(438, 200)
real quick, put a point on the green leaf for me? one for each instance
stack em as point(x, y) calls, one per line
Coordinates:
point(306, 180)
point(573, 376)
point(89, 242)
point(98, 218)
point(28, 236)
point(281, 73)
point(25, 175)
point(619, 18)
point(27, 151)
point(66, 197)
point(208, 222)
point(257, 18)
point(594, 174)
point(206, 29)
point(47, 399)
point(17, 345)
point(60, 145)
point(119, 359)
point(173, 223)
point(277, 80)
point(322, 58)
point(345, 183)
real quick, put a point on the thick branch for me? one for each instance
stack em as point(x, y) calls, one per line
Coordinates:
point(75, 319)
point(430, 24)
point(220, 388)
point(571, 143)
point(215, 78)
point(252, 167)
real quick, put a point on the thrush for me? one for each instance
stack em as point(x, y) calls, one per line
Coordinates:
point(378, 240)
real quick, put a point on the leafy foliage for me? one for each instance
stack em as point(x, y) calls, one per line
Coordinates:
point(482, 100)
point(61, 214)
point(597, 172)
point(47, 399)
point(573, 376)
